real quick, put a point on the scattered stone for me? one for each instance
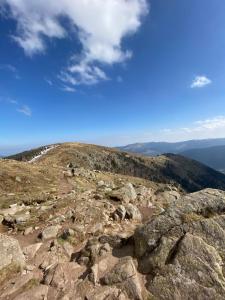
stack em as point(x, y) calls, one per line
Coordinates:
point(67, 233)
point(22, 218)
point(59, 220)
point(28, 231)
point(101, 183)
point(18, 179)
point(70, 214)
point(50, 232)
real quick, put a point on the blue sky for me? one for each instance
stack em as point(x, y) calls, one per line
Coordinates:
point(111, 72)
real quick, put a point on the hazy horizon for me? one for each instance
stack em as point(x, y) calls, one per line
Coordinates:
point(111, 72)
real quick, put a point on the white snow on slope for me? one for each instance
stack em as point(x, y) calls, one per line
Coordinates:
point(43, 152)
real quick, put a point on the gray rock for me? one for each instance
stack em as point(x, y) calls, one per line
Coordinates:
point(120, 212)
point(132, 212)
point(22, 218)
point(50, 232)
point(125, 194)
point(124, 275)
point(11, 254)
point(68, 232)
point(183, 249)
point(121, 272)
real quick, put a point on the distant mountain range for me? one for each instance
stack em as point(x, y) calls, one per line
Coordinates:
point(214, 157)
point(210, 151)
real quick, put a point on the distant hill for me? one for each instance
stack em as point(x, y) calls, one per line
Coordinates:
point(156, 148)
point(27, 155)
point(213, 157)
point(173, 169)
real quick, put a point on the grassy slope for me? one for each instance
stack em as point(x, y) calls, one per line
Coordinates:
point(191, 175)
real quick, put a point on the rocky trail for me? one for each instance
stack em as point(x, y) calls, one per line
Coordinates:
point(94, 235)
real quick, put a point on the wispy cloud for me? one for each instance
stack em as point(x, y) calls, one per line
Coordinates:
point(8, 100)
point(25, 109)
point(68, 89)
point(10, 68)
point(202, 129)
point(206, 128)
point(101, 27)
point(49, 82)
point(21, 108)
point(200, 81)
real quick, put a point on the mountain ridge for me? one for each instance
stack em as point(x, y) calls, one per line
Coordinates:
point(168, 168)
point(213, 157)
point(156, 148)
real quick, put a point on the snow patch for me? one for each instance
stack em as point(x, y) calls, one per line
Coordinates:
point(42, 153)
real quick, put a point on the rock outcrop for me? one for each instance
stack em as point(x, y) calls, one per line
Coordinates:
point(183, 251)
point(12, 259)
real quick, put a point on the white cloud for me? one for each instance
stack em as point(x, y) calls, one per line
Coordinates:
point(68, 89)
point(100, 25)
point(25, 110)
point(208, 128)
point(211, 124)
point(200, 81)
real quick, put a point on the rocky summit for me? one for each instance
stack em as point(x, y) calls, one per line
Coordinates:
point(82, 222)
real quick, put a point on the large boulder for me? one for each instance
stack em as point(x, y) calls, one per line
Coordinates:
point(11, 256)
point(124, 275)
point(183, 250)
point(125, 194)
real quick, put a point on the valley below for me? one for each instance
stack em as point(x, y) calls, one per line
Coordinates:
point(84, 222)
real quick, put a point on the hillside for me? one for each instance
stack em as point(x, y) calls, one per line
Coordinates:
point(188, 174)
point(70, 229)
point(156, 148)
point(213, 157)
point(27, 155)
